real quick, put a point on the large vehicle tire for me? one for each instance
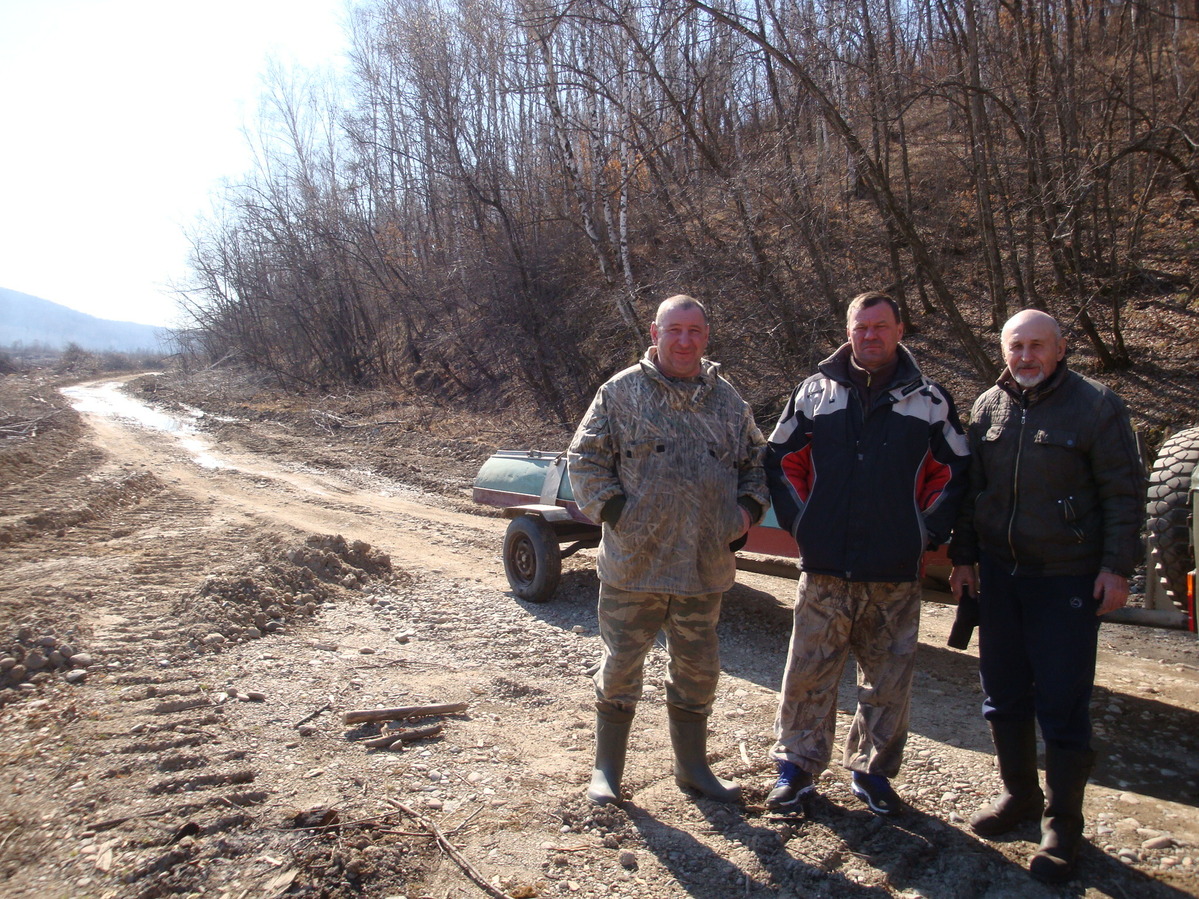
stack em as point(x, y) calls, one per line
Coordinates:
point(532, 559)
point(1168, 513)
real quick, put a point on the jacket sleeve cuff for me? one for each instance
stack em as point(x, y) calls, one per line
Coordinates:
point(610, 513)
point(752, 506)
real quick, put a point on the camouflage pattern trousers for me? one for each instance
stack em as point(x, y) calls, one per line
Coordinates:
point(880, 623)
point(629, 624)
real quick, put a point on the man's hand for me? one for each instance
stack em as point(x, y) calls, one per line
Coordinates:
point(963, 576)
point(1111, 590)
point(746, 522)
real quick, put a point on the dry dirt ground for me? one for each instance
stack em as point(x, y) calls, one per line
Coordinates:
point(190, 603)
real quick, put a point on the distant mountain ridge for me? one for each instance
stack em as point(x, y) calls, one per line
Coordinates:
point(30, 320)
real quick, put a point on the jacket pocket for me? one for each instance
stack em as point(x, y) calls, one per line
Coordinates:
point(643, 449)
point(1056, 437)
point(721, 454)
point(1071, 518)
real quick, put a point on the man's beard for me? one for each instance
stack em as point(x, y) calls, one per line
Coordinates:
point(1029, 381)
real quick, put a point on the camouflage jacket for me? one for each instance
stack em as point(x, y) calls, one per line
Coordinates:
point(687, 457)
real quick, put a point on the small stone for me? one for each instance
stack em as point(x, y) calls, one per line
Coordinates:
point(35, 661)
point(75, 676)
point(213, 640)
point(252, 696)
point(7, 663)
point(306, 730)
point(366, 650)
point(578, 629)
point(1162, 842)
point(628, 858)
point(57, 659)
point(252, 633)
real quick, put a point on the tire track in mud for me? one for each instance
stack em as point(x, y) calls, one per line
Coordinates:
point(358, 505)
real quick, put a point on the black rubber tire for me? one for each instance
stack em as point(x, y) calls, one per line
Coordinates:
point(1168, 513)
point(532, 559)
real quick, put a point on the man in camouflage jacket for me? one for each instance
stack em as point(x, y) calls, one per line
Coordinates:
point(669, 459)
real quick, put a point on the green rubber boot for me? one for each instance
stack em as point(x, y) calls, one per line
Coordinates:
point(689, 737)
point(611, 746)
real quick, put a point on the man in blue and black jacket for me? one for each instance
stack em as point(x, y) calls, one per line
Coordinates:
point(866, 466)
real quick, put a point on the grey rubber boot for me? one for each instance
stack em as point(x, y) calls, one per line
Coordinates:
point(1022, 799)
point(689, 737)
point(611, 746)
point(1066, 773)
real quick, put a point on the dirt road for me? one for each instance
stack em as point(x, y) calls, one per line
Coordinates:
point(235, 581)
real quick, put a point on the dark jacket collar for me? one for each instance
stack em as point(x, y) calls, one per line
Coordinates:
point(1033, 395)
point(836, 367)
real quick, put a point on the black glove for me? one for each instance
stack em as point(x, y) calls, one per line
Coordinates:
point(965, 622)
point(610, 513)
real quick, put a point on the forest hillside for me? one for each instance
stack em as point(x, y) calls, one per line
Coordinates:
point(490, 203)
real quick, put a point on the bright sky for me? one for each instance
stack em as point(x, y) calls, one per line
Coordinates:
point(119, 119)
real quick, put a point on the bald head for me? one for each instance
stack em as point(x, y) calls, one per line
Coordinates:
point(1032, 346)
point(1033, 318)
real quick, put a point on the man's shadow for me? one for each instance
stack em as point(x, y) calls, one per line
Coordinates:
point(705, 874)
point(918, 854)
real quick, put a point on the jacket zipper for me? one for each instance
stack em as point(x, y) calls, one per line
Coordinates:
point(1016, 484)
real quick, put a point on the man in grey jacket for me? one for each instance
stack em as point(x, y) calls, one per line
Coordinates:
point(669, 459)
point(1051, 518)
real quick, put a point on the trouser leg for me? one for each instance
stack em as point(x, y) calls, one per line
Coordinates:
point(1037, 647)
point(1037, 643)
point(628, 624)
point(805, 723)
point(693, 668)
point(884, 638)
point(692, 651)
point(1004, 664)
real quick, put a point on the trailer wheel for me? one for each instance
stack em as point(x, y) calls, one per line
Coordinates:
point(1167, 513)
point(532, 559)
